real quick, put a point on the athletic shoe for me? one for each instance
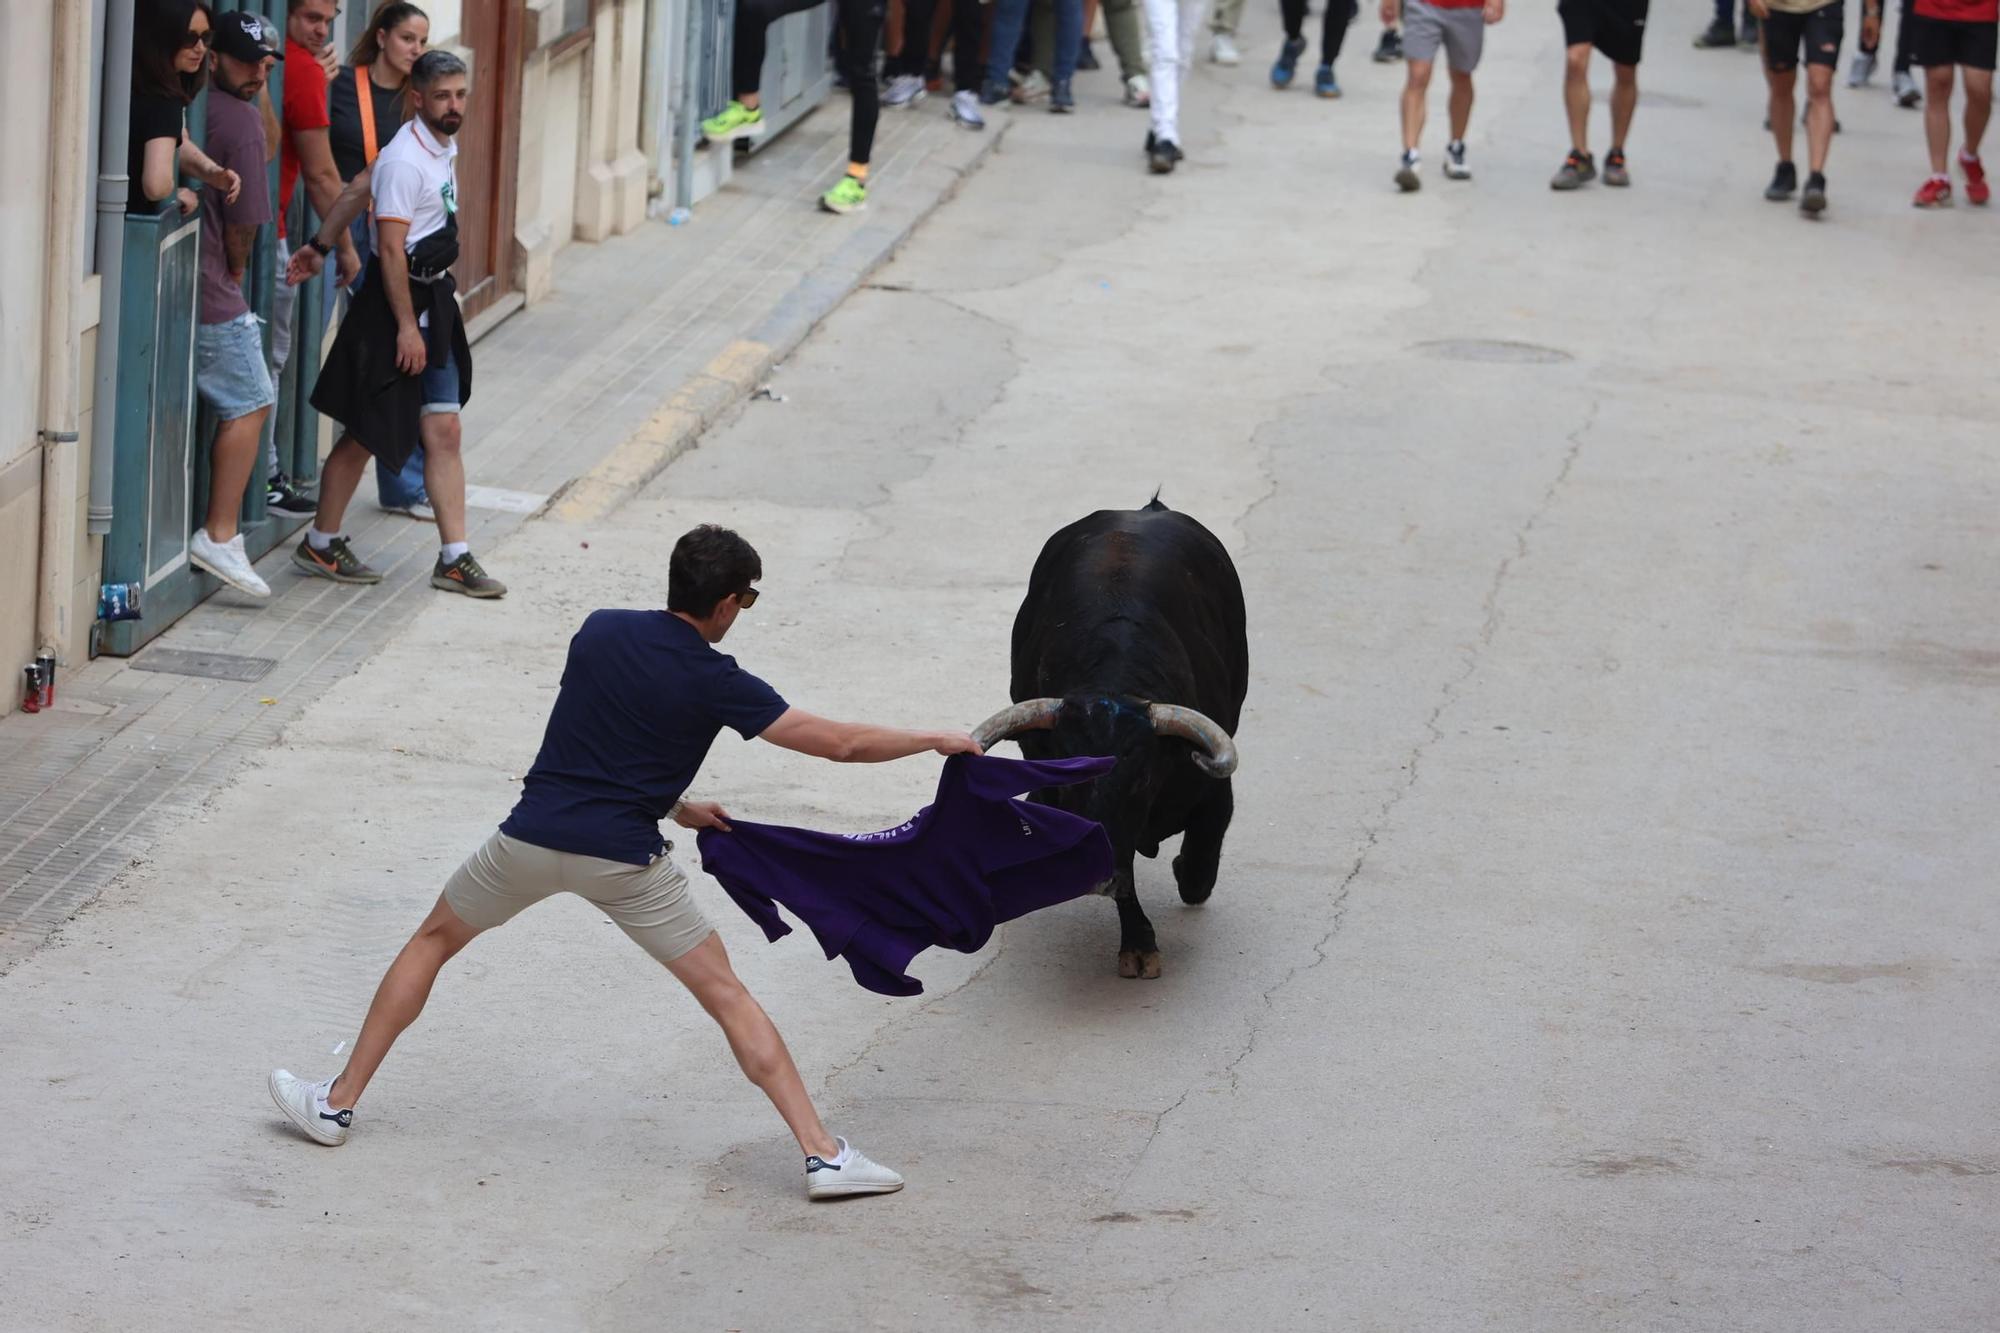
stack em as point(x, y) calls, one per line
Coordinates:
point(336, 562)
point(992, 92)
point(1813, 202)
point(420, 509)
point(1908, 95)
point(848, 196)
point(1577, 170)
point(1454, 161)
point(1862, 70)
point(734, 122)
point(1031, 87)
point(304, 1104)
point(1223, 50)
point(1138, 91)
point(1407, 179)
point(853, 1174)
point(1716, 35)
point(1614, 168)
point(282, 497)
point(1934, 193)
point(1061, 100)
point(1977, 191)
point(1086, 59)
point(965, 110)
point(1389, 48)
point(1324, 84)
point(905, 90)
point(1286, 67)
point(1784, 182)
point(464, 575)
point(1162, 155)
point(227, 561)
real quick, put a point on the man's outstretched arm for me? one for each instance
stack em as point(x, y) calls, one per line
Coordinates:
point(859, 742)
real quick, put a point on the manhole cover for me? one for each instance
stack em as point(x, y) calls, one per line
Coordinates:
point(212, 666)
point(1493, 349)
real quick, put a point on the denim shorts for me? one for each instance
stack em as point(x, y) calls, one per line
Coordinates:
point(229, 369)
point(441, 386)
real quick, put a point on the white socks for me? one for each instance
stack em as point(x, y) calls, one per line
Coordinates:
point(451, 551)
point(320, 1090)
point(320, 540)
point(846, 1154)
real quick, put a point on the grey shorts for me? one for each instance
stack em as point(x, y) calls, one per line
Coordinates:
point(651, 903)
point(229, 369)
point(1462, 33)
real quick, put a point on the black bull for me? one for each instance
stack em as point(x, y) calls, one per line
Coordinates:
point(1131, 642)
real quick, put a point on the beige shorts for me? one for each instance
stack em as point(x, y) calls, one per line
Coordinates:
point(651, 903)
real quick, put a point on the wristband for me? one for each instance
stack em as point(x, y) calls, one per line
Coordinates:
point(317, 244)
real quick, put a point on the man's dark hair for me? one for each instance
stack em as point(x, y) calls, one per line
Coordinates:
point(433, 65)
point(707, 565)
point(159, 33)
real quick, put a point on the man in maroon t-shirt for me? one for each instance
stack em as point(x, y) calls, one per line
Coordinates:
point(1956, 33)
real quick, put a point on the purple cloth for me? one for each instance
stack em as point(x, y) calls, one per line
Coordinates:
point(968, 861)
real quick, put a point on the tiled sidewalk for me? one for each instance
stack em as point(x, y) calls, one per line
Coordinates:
point(84, 789)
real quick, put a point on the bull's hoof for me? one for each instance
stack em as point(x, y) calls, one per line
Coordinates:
point(1193, 894)
point(1135, 965)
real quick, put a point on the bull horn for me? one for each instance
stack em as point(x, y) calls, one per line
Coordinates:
point(1031, 715)
point(1217, 755)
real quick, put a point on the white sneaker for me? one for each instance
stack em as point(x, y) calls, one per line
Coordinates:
point(227, 561)
point(850, 1173)
point(420, 510)
point(1138, 91)
point(965, 110)
point(304, 1104)
point(1454, 163)
point(1032, 87)
point(903, 90)
point(1224, 51)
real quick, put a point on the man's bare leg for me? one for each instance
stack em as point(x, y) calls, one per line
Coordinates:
point(1978, 107)
point(1937, 116)
point(237, 444)
point(444, 473)
point(1461, 104)
point(1783, 102)
point(1576, 95)
point(754, 1039)
point(399, 999)
point(1416, 92)
point(343, 471)
point(1819, 115)
point(1624, 100)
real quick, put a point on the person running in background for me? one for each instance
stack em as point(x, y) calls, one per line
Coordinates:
point(1953, 35)
point(1459, 26)
point(1814, 26)
point(1618, 29)
point(1902, 85)
point(1173, 26)
point(380, 64)
point(859, 31)
point(1332, 33)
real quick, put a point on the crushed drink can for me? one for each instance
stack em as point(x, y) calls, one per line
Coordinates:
point(118, 601)
point(45, 667)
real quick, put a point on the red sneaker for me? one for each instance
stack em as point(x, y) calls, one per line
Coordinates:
point(1936, 193)
point(1977, 191)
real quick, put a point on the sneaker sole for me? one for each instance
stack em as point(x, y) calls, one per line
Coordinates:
point(1617, 182)
point(1408, 181)
point(1328, 94)
point(453, 585)
point(841, 210)
point(320, 571)
point(1813, 205)
point(756, 131)
point(244, 588)
point(1457, 173)
point(306, 1127)
point(820, 1193)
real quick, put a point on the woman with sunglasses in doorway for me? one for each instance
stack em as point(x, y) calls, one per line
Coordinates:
point(169, 61)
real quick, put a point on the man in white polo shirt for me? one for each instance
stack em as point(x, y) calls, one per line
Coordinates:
point(400, 367)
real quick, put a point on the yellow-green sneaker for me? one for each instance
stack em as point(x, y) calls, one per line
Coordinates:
point(736, 121)
point(850, 196)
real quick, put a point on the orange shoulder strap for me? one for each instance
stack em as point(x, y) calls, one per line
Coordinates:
point(364, 99)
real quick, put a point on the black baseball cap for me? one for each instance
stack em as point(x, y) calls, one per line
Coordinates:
point(245, 36)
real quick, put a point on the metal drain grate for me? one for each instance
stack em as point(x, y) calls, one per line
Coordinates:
point(211, 666)
point(1493, 349)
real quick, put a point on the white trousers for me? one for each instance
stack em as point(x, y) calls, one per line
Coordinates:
point(1173, 27)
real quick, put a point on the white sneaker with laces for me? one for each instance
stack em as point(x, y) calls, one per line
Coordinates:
point(1224, 51)
point(227, 561)
point(903, 90)
point(1138, 91)
point(848, 1174)
point(965, 110)
point(304, 1104)
point(1454, 163)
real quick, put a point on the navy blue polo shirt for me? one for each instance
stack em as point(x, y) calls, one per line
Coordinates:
point(643, 697)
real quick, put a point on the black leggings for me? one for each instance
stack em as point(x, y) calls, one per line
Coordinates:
point(1338, 13)
point(860, 33)
point(966, 35)
point(1906, 31)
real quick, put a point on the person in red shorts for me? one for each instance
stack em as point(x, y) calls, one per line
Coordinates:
point(1956, 34)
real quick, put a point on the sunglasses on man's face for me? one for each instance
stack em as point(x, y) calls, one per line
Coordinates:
point(747, 598)
point(196, 37)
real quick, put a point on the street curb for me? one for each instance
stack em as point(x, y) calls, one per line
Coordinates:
point(737, 371)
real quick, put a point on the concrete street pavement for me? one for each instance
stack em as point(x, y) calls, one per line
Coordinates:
point(1607, 934)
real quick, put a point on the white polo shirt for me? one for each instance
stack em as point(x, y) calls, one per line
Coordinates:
point(416, 181)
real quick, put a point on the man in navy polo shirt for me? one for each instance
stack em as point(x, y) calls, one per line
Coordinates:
point(644, 695)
